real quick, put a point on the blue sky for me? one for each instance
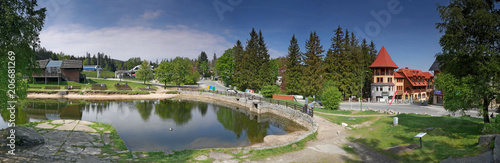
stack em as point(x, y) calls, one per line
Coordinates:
point(156, 29)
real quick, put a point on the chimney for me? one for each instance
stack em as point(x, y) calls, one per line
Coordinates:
point(406, 67)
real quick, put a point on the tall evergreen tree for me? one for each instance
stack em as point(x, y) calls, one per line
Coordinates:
point(293, 72)
point(264, 73)
point(253, 61)
point(313, 69)
point(367, 61)
point(240, 65)
point(214, 62)
point(333, 57)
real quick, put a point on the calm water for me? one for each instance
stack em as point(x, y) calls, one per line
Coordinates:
point(144, 125)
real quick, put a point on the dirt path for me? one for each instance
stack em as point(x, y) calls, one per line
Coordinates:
point(328, 148)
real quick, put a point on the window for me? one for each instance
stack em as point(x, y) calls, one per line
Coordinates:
point(389, 80)
point(381, 80)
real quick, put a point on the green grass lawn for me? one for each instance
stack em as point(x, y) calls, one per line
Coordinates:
point(339, 119)
point(447, 136)
point(346, 112)
point(93, 74)
point(110, 84)
point(295, 102)
point(62, 84)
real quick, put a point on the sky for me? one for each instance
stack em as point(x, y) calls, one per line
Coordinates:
point(163, 29)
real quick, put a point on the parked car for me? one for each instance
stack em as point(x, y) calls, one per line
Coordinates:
point(319, 102)
point(232, 91)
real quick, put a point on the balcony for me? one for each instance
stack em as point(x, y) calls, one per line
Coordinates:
point(47, 75)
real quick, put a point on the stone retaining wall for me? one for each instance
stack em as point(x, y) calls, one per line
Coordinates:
point(258, 107)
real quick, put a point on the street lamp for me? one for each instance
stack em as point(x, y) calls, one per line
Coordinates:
point(361, 91)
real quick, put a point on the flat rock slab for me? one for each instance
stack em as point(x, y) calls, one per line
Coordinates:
point(200, 158)
point(220, 156)
point(68, 125)
point(70, 141)
point(45, 125)
point(59, 121)
point(83, 127)
point(227, 161)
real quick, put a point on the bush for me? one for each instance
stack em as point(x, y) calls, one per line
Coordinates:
point(268, 91)
point(331, 98)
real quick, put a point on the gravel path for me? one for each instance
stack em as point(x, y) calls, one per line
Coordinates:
point(328, 148)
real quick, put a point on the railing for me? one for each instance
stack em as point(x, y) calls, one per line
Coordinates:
point(46, 75)
point(301, 108)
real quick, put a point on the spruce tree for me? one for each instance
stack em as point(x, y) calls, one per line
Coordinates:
point(333, 60)
point(240, 66)
point(293, 72)
point(313, 69)
point(265, 76)
point(250, 73)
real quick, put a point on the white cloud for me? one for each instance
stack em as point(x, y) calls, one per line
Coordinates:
point(276, 53)
point(140, 20)
point(148, 15)
point(126, 42)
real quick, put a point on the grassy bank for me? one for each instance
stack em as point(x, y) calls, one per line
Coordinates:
point(190, 155)
point(93, 74)
point(87, 86)
point(446, 136)
point(347, 112)
point(349, 120)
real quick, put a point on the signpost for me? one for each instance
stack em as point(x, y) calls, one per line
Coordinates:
point(420, 135)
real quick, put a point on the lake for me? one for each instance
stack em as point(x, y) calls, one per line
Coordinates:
point(144, 125)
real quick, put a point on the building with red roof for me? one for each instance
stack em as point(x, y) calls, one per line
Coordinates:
point(413, 84)
point(383, 76)
point(408, 84)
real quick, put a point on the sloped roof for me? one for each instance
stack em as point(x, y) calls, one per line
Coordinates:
point(398, 75)
point(62, 64)
point(410, 74)
point(54, 64)
point(42, 63)
point(72, 64)
point(435, 66)
point(383, 60)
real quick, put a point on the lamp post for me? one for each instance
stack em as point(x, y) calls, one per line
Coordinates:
point(361, 91)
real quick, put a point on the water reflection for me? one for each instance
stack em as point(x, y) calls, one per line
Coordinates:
point(144, 125)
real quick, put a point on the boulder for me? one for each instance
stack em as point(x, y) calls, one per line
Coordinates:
point(486, 139)
point(496, 150)
point(25, 137)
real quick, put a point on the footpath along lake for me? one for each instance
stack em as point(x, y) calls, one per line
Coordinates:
point(163, 125)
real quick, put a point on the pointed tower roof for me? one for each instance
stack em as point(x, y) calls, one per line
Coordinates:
point(383, 60)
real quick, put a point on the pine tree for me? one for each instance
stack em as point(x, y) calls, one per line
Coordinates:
point(265, 76)
point(293, 72)
point(313, 69)
point(240, 65)
point(333, 57)
point(367, 61)
point(252, 59)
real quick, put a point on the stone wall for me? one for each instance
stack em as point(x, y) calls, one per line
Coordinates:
point(258, 107)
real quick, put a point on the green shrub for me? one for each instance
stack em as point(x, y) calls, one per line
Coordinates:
point(268, 91)
point(172, 92)
point(331, 97)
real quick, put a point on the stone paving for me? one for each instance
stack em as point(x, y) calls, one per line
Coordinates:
point(66, 141)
